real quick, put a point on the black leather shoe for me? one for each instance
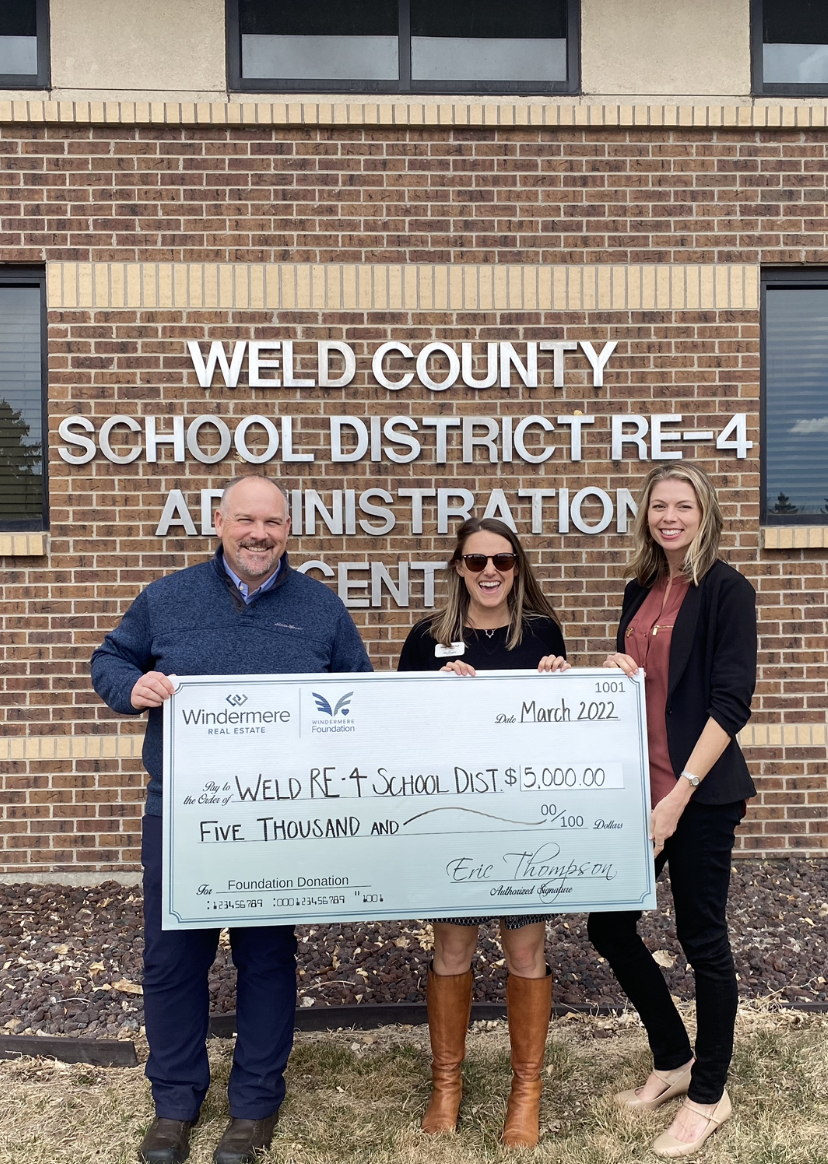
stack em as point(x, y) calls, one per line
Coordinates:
point(166, 1142)
point(244, 1139)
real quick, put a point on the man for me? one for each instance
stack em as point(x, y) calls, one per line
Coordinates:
point(245, 612)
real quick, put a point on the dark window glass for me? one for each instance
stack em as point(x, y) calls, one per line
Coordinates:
point(796, 403)
point(403, 46)
point(21, 409)
point(795, 21)
point(320, 40)
point(480, 40)
point(23, 43)
point(484, 18)
point(18, 37)
point(794, 43)
point(319, 18)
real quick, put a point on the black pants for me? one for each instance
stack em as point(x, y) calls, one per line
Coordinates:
point(698, 854)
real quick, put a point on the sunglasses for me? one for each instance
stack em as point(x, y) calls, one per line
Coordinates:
point(477, 562)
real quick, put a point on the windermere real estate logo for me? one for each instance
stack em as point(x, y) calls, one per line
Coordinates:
point(227, 722)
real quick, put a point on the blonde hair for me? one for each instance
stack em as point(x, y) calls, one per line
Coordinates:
point(649, 562)
point(526, 599)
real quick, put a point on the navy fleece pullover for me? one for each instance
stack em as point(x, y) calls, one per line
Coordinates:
point(195, 622)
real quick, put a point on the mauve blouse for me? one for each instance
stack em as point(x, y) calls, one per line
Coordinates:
point(648, 641)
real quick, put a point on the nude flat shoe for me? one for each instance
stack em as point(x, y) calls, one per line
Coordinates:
point(669, 1146)
point(633, 1102)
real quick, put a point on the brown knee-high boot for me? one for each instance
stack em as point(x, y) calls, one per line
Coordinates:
point(449, 998)
point(529, 1006)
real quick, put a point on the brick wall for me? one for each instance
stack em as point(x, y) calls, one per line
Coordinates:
point(419, 196)
point(395, 196)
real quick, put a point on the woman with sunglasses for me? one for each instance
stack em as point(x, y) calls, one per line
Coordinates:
point(496, 618)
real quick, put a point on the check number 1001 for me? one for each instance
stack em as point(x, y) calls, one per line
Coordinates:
point(576, 776)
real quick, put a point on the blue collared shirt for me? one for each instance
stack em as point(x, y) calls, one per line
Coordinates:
point(244, 589)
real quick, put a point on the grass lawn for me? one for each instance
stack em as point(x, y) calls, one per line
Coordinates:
point(359, 1096)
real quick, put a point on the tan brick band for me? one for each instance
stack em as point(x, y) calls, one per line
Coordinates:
point(100, 747)
point(23, 545)
point(784, 735)
point(400, 287)
point(795, 537)
point(804, 537)
point(128, 747)
point(495, 114)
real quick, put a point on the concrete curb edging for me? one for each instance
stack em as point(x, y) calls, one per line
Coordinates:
point(121, 1052)
point(95, 1052)
point(366, 1017)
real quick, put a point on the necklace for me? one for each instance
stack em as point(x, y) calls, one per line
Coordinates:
point(489, 633)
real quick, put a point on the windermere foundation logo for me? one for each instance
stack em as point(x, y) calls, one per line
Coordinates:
point(336, 714)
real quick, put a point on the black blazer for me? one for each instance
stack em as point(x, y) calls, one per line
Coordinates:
point(712, 674)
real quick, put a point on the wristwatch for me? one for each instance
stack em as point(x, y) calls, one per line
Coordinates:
point(694, 780)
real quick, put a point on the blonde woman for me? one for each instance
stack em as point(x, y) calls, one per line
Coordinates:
point(689, 620)
point(496, 618)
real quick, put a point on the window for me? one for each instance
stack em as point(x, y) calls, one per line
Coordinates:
point(790, 46)
point(24, 44)
point(795, 397)
point(403, 46)
point(22, 401)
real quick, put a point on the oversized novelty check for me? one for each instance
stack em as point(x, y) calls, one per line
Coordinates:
point(343, 797)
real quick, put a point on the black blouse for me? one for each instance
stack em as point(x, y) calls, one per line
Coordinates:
point(541, 636)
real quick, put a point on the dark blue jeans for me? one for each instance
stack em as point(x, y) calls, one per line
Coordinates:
point(698, 854)
point(177, 1003)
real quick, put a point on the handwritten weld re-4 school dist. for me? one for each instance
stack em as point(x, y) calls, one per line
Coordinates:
point(313, 798)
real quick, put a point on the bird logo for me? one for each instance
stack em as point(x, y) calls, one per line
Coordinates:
point(340, 708)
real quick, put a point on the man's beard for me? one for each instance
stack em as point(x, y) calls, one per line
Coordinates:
point(259, 566)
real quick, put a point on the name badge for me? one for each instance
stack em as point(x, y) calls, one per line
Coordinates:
point(441, 652)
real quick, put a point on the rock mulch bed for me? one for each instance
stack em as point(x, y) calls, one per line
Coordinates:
point(70, 958)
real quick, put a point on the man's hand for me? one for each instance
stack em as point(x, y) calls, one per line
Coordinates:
point(151, 690)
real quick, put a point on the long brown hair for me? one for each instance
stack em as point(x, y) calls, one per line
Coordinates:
point(526, 599)
point(649, 562)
